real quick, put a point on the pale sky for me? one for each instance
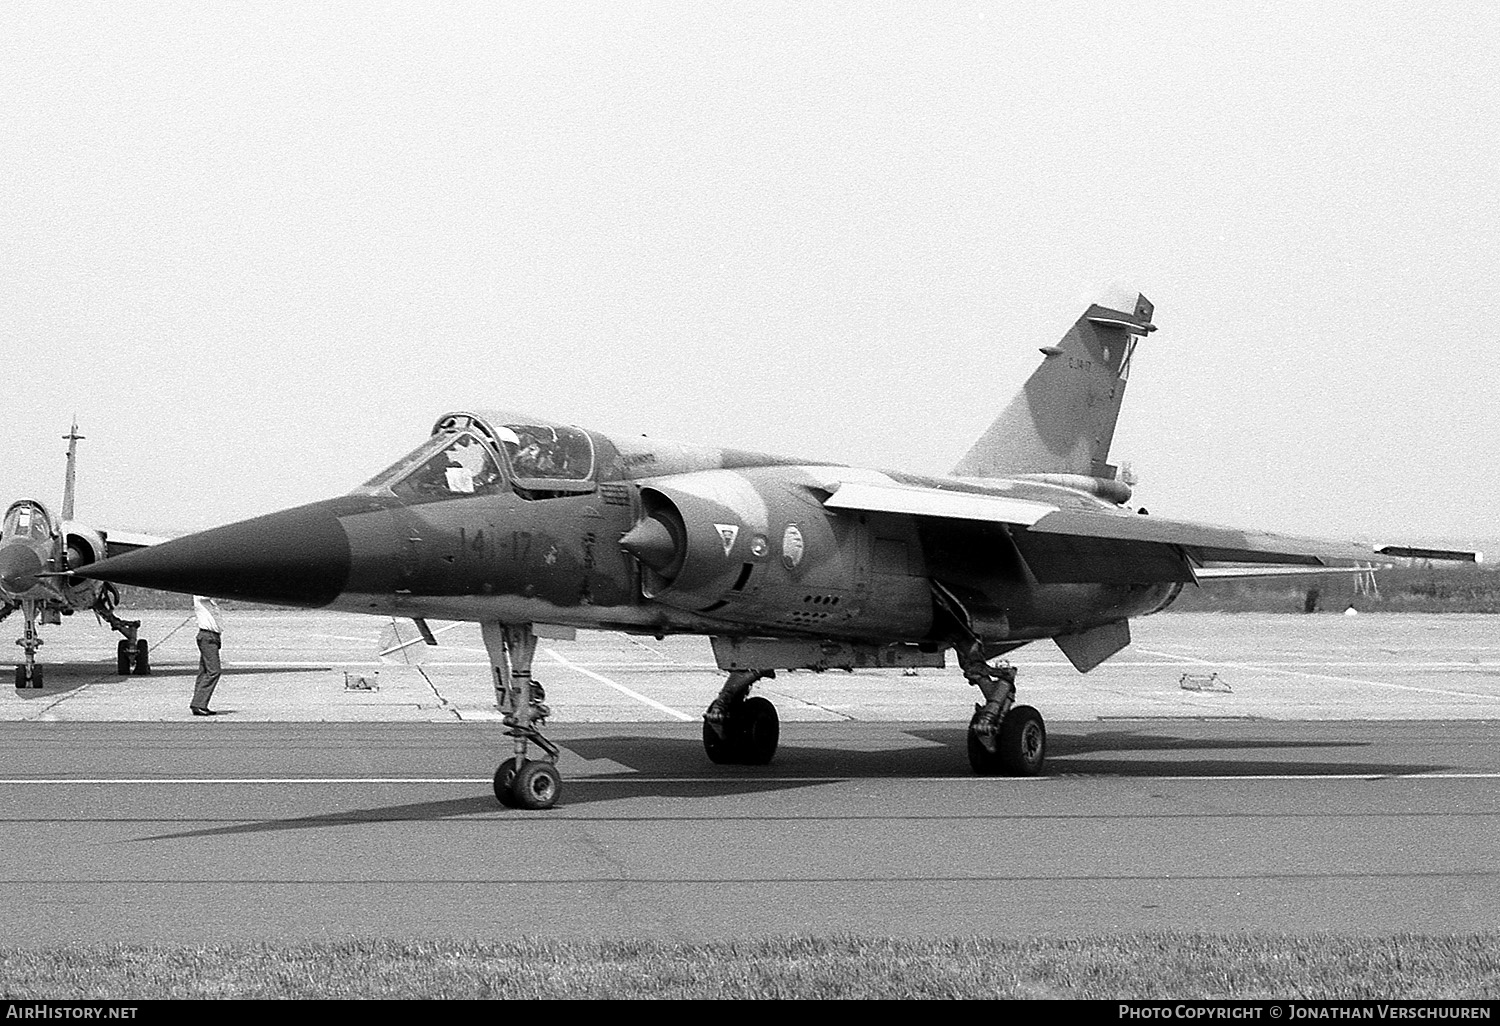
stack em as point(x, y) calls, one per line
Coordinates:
point(260, 248)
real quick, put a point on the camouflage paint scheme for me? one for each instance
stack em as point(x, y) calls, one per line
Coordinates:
point(552, 553)
point(521, 523)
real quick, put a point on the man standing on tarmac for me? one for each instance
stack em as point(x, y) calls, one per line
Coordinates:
point(209, 640)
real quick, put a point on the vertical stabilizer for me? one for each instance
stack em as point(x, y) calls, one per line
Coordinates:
point(1063, 419)
point(69, 481)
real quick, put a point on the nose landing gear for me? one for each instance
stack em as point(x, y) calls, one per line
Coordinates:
point(28, 673)
point(521, 782)
point(132, 655)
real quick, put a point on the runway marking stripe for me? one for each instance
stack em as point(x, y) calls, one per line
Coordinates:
point(621, 688)
point(884, 880)
point(1122, 664)
point(1326, 676)
point(632, 778)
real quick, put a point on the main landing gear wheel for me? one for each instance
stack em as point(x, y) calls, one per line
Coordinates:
point(1020, 746)
point(1023, 742)
point(759, 730)
point(751, 732)
point(133, 658)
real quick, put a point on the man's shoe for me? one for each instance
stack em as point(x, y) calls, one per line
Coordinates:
point(202, 712)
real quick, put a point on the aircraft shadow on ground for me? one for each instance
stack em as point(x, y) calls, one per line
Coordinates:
point(574, 793)
point(945, 755)
point(661, 764)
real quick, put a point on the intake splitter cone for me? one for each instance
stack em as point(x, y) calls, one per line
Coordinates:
point(652, 542)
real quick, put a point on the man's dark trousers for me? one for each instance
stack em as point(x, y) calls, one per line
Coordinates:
point(208, 668)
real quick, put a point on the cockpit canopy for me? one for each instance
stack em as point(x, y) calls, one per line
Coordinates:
point(26, 519)
point(469, 456)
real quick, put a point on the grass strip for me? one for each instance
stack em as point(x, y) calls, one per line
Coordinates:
point(1173, 966)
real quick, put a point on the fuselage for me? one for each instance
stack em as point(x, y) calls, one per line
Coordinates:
point(514, 519)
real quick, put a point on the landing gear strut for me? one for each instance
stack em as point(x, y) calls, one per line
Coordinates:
point(1004, 738)
point(741, 730)
point(28, 673)
point(132, 655)
point(521, 782)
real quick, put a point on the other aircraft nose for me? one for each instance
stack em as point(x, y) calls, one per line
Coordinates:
point(297, 557)
point(19, 565)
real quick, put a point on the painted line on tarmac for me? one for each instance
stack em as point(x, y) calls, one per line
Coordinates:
point(1327, 676)
point(621, 688)
point(1170, 659)
point(637, 778)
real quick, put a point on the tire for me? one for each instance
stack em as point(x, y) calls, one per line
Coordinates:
point(122, 657)
point(1023, 742)
point(20, 677)
point(536, 786)
point(758, 729)
point(142, 659)
point(722, 751)
point(505, 776)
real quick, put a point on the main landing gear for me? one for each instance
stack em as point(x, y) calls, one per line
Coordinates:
point(741, 730)
point(1004, 738)
point(132, 655)
point(521, 782)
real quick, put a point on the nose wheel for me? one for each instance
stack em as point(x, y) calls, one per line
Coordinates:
point(535, 785)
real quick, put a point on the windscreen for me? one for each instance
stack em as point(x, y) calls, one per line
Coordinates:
point(444, 467)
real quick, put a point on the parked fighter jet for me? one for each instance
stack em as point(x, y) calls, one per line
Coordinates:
point(38, 553)
point(530, 527)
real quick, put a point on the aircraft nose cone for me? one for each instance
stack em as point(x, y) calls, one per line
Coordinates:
point(19, 565)
point(297, 557)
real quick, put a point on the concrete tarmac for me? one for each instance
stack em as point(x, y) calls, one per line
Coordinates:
point(1338, 775)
